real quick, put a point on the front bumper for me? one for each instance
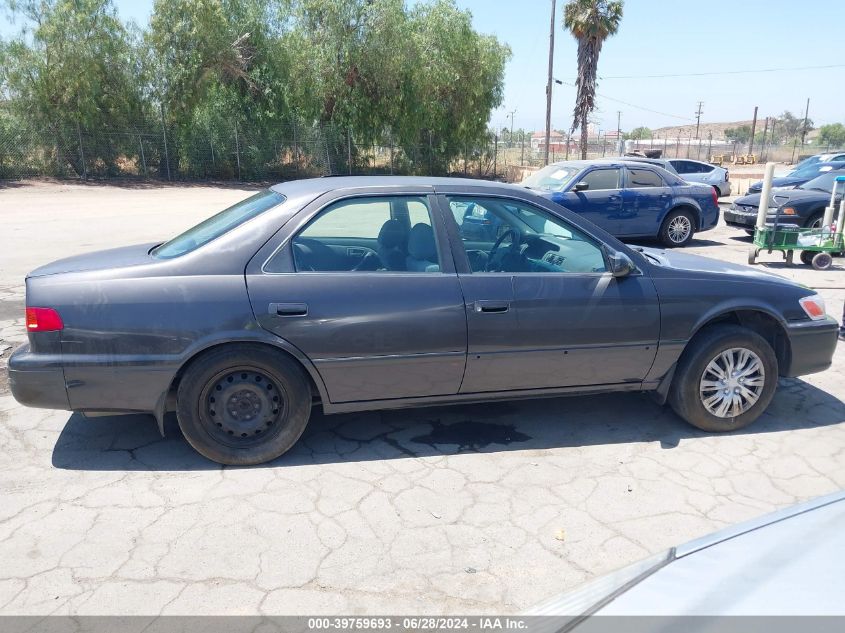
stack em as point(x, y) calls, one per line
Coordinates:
point(747, 220)
point(37, 380)
point(812, 344)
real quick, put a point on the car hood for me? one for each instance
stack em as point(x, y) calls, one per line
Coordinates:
point(687, 262)
point(112, 258)
point(782, 196)
point(782, 181)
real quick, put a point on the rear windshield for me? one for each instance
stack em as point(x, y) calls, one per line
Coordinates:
point(217, 225)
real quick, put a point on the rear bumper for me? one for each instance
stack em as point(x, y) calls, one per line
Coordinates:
point(812, 344)
point(37, 380)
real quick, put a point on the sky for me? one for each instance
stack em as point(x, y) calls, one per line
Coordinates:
point(706, 47)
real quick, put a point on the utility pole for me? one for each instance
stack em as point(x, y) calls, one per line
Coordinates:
point(804, 128)
point(549, 86)
point(753, 129)
point(765, 135)
point(510, 114)
point(619, 131)
point(698, 118)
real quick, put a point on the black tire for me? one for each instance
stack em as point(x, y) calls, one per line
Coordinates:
point(668, 229)
point(244, 404)
point(749, 232)
point(685, 395)
point(822, 261)
point(807, 257)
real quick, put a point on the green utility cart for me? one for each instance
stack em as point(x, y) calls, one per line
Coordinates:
point(817, 245)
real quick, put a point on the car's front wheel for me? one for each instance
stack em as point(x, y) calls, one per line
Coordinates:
point(677, 229)
point(725, 379)
point(243, 405)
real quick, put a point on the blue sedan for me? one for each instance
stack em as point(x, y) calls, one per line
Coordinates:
point(630, 199)
point(799, 176)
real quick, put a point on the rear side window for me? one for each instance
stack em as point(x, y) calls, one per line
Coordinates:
point(643, 178)
point(378, 234)
point(599, 179)
point(219, 224)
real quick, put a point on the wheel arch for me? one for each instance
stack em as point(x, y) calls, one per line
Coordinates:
point(167, 401)
point(758, 319)
point(685, 205)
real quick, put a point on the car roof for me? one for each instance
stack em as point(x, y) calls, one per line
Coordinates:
point(604, 162)
point(319, 186)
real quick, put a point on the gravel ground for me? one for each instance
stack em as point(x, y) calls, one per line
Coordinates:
point(478, 508)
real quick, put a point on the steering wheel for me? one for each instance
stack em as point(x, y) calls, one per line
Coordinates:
point(514, 244)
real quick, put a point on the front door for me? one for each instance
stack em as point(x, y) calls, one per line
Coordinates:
point(367, 289)
point(601, 201)
point(554, 317)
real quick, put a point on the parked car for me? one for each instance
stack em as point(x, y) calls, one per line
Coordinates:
point(802, 206)
point(358, 293)
point(630, 199)
point(787, 563)
point(798, 176)
point(693, 171)
point(829, 157)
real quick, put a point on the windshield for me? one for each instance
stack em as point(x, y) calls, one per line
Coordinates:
point(217, 225)
point(552, 177)
point(823, 182)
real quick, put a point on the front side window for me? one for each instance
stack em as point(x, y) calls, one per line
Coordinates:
point(643, 178)
point(217, 225)
point(377, 234)
point(511, 236)
point(602, 179)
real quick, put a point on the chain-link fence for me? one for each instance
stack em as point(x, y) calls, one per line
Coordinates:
point(267, 153)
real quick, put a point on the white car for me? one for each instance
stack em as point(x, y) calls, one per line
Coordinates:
point(693, 171)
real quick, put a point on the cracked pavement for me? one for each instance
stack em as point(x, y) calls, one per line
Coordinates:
point(467, 509)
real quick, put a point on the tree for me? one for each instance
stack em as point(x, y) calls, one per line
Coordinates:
point(590, 22)
point(639, 133)
point(791, 126)
point(74, 68)
point(741, 134)
point(832, 135)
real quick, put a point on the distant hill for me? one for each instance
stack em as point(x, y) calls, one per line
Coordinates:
point(718, 129)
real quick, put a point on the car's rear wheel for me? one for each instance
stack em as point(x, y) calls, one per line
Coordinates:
point(243, 405)
point(677, 229)
point(725, 379)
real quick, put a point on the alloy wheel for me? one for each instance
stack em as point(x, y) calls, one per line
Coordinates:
point(679, 229)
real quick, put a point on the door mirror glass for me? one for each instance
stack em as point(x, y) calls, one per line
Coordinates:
point(582, 186)
point(620, 264)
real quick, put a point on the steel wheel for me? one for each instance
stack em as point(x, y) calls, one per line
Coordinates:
point(732, 382)
point(679, 229)
point(242, 407)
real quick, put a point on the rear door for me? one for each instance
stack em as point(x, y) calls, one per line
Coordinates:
point(646, 199)
point(373, 334)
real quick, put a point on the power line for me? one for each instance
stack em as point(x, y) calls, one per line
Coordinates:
point(724, 72)
point(633, 105)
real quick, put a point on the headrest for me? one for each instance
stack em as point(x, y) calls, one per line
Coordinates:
point(421, 244)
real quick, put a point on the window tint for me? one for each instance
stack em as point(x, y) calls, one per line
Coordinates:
point(599, 179)
point(643, 178)
point(387, 234)
point(505, 235)
point(219, 224)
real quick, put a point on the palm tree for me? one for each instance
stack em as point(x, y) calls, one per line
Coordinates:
point(591, 22)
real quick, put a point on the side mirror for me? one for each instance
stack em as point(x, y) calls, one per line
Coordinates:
point(620, 264)
point(581, 186)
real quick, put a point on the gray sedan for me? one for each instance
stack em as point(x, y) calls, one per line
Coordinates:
point(364, 293)
point(694, 171)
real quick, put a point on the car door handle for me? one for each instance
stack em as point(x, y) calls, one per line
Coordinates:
point(492, 307)
point(289, 309)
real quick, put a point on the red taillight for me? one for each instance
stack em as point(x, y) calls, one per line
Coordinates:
point(43, 320)
point(715, 196)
